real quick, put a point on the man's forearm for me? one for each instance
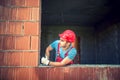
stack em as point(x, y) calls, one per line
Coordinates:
point(57, 64)
point(47, 54)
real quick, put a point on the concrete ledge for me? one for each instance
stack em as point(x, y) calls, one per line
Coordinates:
point(74, 65)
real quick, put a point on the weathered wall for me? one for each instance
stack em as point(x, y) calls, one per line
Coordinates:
point(61, 73)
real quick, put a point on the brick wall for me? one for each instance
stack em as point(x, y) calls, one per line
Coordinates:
point(61, 73)
point(19, 32)
point(19, 48)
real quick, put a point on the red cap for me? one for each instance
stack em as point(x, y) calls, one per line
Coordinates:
point(68, 35)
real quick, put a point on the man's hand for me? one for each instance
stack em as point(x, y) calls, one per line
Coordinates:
point(46, 57)
point(45, 61)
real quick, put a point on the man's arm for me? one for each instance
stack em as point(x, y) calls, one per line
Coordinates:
point(65, 61)
point(48, 49)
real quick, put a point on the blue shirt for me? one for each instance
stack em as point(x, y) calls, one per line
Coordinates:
point(71, 54)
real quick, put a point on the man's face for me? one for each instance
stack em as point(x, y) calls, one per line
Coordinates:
point(63, 43)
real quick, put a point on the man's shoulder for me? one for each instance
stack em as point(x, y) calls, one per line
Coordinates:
point(74, 50)
point(56, 41)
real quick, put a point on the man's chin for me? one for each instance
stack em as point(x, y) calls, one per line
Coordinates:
point(63, 46)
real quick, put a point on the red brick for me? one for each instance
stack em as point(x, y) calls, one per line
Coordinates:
point(23, 13)
point(13, 13)
point(1, 42)
point(35, 14)
point(14, 28)
point(29, 59)
point(2, 2)
point(1, 59)
point(34, 42)
point(22, 43)
point(10, 74)
point(32, 74)
point(7, 2)
point(2, 27)
point(4, 72)
point(33, 3)
point(22, 74)
point(1, 12)
point(6, 13)
point(8, 43)
point(19, 59)
point(13, 58)
point(18, 2)
point(31, 28)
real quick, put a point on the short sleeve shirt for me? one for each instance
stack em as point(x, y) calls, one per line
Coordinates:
point(71, 53)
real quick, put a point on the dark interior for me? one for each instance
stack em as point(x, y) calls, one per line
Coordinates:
point(80, 12)
point(95, 22)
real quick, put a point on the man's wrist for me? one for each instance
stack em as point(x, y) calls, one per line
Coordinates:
point(47, 57)
point(49, 63)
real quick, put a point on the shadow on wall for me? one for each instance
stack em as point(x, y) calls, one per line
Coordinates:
point(108, 44)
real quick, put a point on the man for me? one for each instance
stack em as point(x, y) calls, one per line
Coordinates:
point(65, 52)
